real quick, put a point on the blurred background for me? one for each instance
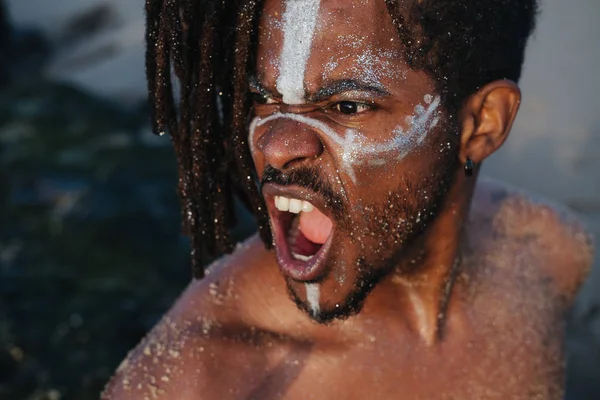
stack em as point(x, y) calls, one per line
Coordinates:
point(90, 250)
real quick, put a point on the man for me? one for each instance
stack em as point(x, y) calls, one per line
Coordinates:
point(360, 149)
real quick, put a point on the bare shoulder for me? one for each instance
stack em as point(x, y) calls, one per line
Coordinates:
point(181, 355)
point(543, 238)
point(528, 257)
point(159, 367)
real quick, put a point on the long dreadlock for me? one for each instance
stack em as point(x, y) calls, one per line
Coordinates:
point(196, 38)
point(462, 44)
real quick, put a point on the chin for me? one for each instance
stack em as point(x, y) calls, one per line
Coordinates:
point(328, 300)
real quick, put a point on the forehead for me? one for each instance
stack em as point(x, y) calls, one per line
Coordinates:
point(350, 39)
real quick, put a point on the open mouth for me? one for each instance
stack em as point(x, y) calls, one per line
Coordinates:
point(303, 236)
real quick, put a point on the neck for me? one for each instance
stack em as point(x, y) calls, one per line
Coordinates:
point(425, 278)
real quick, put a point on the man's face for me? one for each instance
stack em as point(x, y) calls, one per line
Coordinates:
point(352, 147)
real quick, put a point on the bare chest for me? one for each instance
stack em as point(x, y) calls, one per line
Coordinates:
point(495, 368)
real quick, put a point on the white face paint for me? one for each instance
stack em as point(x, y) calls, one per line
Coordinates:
point(312, 296)
point(356, 147)
point(372, 66)
point(299, 24)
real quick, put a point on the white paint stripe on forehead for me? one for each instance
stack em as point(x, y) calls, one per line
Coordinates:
point(299, 23)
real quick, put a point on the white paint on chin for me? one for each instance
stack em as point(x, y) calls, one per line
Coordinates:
point(299, 24)
point(313, 295)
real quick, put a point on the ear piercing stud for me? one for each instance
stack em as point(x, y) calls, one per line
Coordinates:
point(469, 166)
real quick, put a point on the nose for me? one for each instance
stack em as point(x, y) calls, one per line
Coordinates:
point(287, 143)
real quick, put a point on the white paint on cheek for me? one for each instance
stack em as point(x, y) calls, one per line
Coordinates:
point(425, 120)
point(313, 296)
point(421, 123)
point(299, 23)
point(402, 143)
point(355, 147)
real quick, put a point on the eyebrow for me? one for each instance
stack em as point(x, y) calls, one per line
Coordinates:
point(255, 85)
point(336, 87)
point(330, 89)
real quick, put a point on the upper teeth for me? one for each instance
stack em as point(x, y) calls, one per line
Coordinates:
point(292, 205)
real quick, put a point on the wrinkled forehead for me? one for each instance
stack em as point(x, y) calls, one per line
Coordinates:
point(347, 38)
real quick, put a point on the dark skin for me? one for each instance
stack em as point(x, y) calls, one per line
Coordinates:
point(237, 335)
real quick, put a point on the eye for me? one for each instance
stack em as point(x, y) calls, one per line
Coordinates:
point(260, 98)
point(351, 107)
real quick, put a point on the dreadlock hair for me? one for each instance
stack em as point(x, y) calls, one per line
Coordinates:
point(461, 44)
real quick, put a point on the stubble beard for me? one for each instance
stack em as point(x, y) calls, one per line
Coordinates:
point(416, 211)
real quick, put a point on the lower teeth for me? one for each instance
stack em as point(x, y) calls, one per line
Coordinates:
point(300, 257)
point(292, 238)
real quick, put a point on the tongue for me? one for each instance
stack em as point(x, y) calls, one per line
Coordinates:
point(315, 226)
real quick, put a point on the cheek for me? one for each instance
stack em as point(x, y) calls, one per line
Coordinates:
point(368, 156)
point(389, 198)
point(382, 170)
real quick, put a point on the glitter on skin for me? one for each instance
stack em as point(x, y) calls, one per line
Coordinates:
point(355, 146)
point(371, 66)
point(312, 296)
point(299, 23)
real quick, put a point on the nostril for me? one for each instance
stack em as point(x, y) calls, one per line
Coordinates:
point(288, 143)
point(304, 150)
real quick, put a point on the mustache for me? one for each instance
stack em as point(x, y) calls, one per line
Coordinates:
point(309, 178)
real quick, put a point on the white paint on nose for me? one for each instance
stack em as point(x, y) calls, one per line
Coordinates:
point(299, 24)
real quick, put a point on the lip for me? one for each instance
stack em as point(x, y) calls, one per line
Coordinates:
point(303, 271)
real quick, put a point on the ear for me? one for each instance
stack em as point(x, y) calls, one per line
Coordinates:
point(486, 119)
